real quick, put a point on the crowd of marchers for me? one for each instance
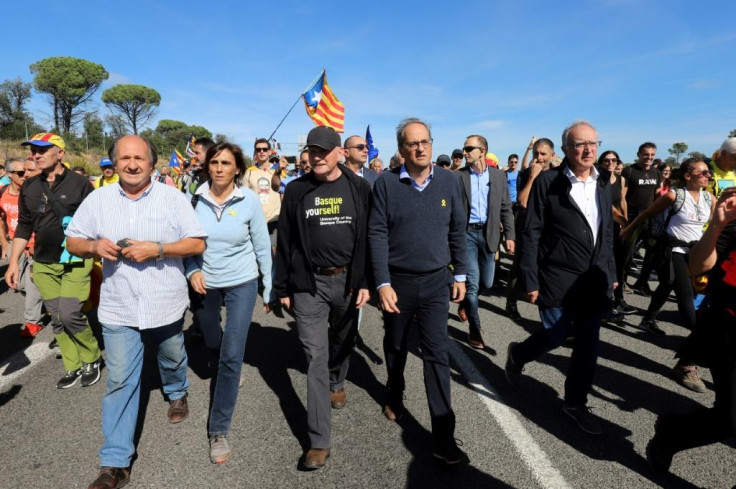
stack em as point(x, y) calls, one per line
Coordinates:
point(321, 240)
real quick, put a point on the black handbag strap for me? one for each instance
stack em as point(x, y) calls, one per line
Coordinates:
point(57, 207)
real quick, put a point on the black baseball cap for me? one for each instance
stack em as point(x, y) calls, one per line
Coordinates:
point(323, 137)
point(443, 161)
point(457, 153)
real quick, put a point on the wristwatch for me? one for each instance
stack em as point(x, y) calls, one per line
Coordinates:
point(160, 256)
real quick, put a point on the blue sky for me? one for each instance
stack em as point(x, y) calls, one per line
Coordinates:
point(637, 69)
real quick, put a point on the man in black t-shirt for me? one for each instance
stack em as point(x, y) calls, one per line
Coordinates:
point(642, 183)
point(320, 271)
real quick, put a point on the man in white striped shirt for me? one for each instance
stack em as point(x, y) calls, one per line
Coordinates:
point(144, 291)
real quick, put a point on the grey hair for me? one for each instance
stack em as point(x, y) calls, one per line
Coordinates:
point(576, 123)
point(401, 137)
point(729, 146)
point(9, 163)
point(112, 153)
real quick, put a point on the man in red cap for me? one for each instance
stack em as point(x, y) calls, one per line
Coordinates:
point(45, 208)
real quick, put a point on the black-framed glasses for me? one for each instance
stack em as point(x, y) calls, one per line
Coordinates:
point(261, 150)
point(19, 173)
point(415, 144)
point(359, 147)
point(468, 149)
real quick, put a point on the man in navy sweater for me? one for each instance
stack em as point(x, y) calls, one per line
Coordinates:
point(567, 266)
point(416, 229)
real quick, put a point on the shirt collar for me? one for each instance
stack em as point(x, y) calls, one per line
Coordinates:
point(403, 174)
point(204, 190)
point(593, 174)
point(143, 194)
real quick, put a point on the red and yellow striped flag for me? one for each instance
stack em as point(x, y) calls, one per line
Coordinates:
point(323, 106)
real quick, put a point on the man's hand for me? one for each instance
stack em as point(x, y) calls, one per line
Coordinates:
point(387, 299)
point(458, 292)
point(363, 296)
point(286, 303)
point(535, 168)
point(532, 296)
point(510, 246)
point(104, 248)
point(140, 251)
point(614, 285)
point(198, 283)
point(11, 276)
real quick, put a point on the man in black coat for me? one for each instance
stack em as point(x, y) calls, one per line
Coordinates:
point(567, 266)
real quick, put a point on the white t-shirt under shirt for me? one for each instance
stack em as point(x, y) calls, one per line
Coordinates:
point(687, 224)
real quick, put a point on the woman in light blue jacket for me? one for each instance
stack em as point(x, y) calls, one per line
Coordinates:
point(238, 250)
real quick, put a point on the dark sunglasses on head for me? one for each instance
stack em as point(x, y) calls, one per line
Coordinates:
point(359, 147)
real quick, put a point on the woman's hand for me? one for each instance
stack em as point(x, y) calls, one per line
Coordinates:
point(198, 284)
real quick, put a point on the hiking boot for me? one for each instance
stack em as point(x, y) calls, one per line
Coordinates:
point(689, 377)
point(69, 379)
point(513, 371)
point(91, 373)
point(586, 420)
point(650, 325)
point(219, 449)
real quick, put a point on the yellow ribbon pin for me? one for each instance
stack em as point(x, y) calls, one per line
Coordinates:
point(232, 212)
point(444, 203)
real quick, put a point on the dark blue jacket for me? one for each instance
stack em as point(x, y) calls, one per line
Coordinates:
point(558, 257)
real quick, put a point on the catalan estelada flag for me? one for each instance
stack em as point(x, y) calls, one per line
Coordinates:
point(190, 145)
point(176, 161)
point(322, 105)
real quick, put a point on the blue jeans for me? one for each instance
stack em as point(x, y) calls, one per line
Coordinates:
point(230, 344)
point(124, 346)
point(481, 269)
point(559, 323)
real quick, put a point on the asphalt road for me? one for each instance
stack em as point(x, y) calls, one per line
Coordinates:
point(515, 437)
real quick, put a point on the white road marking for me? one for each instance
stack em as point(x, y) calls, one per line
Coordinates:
point(531, 454)
point(33, 355)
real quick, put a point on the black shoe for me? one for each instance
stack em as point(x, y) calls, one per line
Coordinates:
point(91, 373)
point(69, 379)
point(450, 453)
point(624, 308)
point(650, 325)
point(584, 418)
point(513, 371)
point(642, 289)
point(613, 316)
point(512, 312)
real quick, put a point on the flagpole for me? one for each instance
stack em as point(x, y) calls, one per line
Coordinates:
point(297, 101)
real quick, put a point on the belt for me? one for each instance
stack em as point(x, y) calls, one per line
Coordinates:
point(329, 271)
point(477, 225)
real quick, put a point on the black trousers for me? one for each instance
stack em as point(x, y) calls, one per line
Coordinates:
point(427, 296)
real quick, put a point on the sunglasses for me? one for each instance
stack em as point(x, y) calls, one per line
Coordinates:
point(20, 173)
point(261, 150)
point(468, 149)
point(359, 147)
point(610, 160)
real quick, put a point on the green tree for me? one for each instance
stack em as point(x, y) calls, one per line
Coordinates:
point(134, 102)
point(117, 125)
point(69, 83)
point(677, 149)
point(698, 156)
point(93, 129)
point(14, 94)
point(672, 161)
point(169, 135)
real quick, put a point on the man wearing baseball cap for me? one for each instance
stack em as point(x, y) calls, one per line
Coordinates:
point(45, 206)
point(108, 173)
point(457, 159)
point(320, 272)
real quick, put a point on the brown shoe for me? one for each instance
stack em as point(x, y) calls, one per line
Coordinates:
point(315, 458)
point(475, 339)
point(462, 314)
point(178, 410)
point(111, 478)
point(338, 399)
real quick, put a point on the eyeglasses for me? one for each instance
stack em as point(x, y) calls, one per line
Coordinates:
point(415, 144)
point(468, 149)
point(610, 160)
point(359, 147)
point(20, 173)
point(261, 150)
point(587, 144)
point(704, 172)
